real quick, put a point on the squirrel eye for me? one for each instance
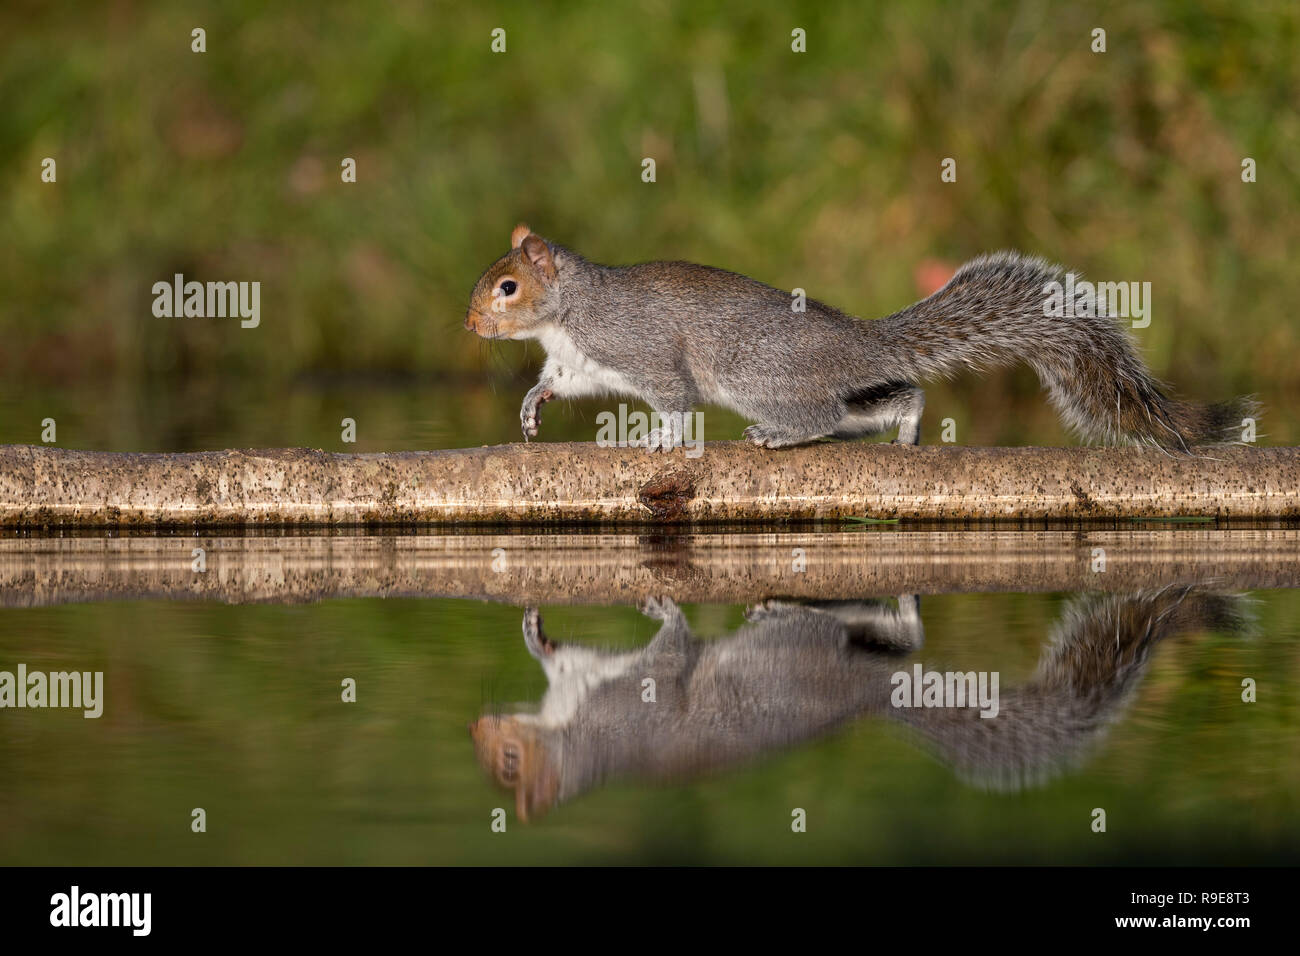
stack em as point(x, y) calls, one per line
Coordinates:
point(508, 287)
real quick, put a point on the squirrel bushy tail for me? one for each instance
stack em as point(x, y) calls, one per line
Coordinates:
point(1085, 679)
point(991, 313)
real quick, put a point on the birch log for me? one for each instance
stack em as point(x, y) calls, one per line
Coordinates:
point(45, 488)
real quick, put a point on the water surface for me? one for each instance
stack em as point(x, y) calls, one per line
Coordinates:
point(1120, 689)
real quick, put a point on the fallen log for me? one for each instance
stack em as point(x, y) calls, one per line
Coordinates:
point(730, 568)
point(580, 483)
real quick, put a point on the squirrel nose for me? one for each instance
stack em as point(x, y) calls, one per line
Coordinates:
point(471, 321)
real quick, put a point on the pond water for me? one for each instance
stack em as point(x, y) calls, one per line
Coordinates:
point(676, 699)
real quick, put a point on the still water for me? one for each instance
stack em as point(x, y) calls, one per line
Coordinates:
point(696, 699)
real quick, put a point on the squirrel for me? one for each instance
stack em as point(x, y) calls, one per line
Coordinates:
point(797, 672)
point(676, 334)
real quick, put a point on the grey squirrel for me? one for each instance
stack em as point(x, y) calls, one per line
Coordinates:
point(675, 335)
point(798, 672)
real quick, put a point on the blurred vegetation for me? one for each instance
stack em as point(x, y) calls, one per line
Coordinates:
point(818, 170)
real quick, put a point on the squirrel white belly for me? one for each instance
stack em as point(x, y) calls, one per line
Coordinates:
point(676, 334)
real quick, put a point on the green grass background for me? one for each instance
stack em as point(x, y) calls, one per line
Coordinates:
point(818, 170)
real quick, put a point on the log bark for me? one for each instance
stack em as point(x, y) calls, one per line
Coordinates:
point(571, 483)
point(729, 568)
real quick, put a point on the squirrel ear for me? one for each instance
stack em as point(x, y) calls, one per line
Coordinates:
point(539, 254)
point(519, 235)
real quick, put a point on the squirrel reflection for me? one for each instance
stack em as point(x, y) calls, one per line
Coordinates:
point(797, 672)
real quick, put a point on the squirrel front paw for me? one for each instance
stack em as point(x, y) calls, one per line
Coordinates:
point(530, 413)
point(538, 644)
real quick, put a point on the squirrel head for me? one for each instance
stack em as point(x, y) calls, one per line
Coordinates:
point(517, 757)
point(518, 293)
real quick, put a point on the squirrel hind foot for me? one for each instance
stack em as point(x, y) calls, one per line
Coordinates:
point(781, 436)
